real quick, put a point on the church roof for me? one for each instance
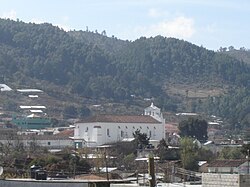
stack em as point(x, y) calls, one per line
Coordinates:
point(121, 119)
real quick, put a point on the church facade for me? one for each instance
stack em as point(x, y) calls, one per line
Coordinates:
point(106, 129)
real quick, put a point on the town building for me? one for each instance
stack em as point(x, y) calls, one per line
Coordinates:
point(52, 142)
point(32, 121)
point(229, 166)
point(106, 129)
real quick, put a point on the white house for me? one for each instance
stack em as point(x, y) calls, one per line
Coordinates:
point(48, 141)
point(104, 129)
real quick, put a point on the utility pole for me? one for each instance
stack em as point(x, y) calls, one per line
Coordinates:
point(106, 165)
point(151, 171)
point(248, 161)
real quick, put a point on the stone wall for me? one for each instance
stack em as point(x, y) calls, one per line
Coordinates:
point(229, 180)
point(219, 180)
point(244, 180)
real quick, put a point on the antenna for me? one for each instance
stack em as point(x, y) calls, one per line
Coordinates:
point(1, 170)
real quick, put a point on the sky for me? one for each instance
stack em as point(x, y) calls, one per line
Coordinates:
point(208, 23)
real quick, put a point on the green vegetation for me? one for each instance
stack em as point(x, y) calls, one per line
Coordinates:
point(166, 153)
point(141, 140)
point(17, 159)
point(92, 65)
point(194, 128)
point(189, 156)
point(232, 153)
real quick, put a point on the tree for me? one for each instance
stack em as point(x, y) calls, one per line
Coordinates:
point(206, 154)
point(70, 112)
point(231, 48)
point(222, 49)
point(84, 111)
point(194, 127)
point(245, 149)
point(162, 149)
point(232, 153)
point(141, 139)
point(189, 157)
point(54, 122)
point(129, 161)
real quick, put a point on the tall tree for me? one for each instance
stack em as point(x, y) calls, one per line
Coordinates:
point(189, 155)
point(194, 127)
point(141, 139)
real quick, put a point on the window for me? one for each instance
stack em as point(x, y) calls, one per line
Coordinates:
point(86, 129)
point(108, 133)
point(98, 127)
point(122, 134)
point(48, 143)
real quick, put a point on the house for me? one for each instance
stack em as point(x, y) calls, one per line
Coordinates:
point(233, 173)
point(32, 121)
point(105, 129)
point(229, 166)
point(58, 141)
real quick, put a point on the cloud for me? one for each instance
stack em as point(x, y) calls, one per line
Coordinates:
point(156, 13)
point(180, 27)
point(65, 18)
point(211, 28)
point(10, 15)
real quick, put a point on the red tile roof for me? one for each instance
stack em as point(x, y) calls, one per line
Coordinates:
point(226, 163)
point(67, 132)
point(121, 119)
point(171, 128)
point(90, 177)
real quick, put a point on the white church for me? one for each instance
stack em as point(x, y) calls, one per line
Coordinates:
point(105, 129)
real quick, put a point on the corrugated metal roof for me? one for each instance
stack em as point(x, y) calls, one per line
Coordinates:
point(32, 107)
point(121, 119)
point(4, 87)
point(29, 90)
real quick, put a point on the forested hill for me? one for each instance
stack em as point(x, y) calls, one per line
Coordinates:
point(241, 54)
point(96, 66)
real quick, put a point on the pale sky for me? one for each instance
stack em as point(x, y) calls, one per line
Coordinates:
point(210, 23)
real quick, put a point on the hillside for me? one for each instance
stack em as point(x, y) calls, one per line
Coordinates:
point(241, 54)
point(122, 75)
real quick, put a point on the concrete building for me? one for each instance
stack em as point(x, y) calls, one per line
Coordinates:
point(105, 129)
point(31, 122)
point(219, 180)
point(234, 173)
point(48, 141)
